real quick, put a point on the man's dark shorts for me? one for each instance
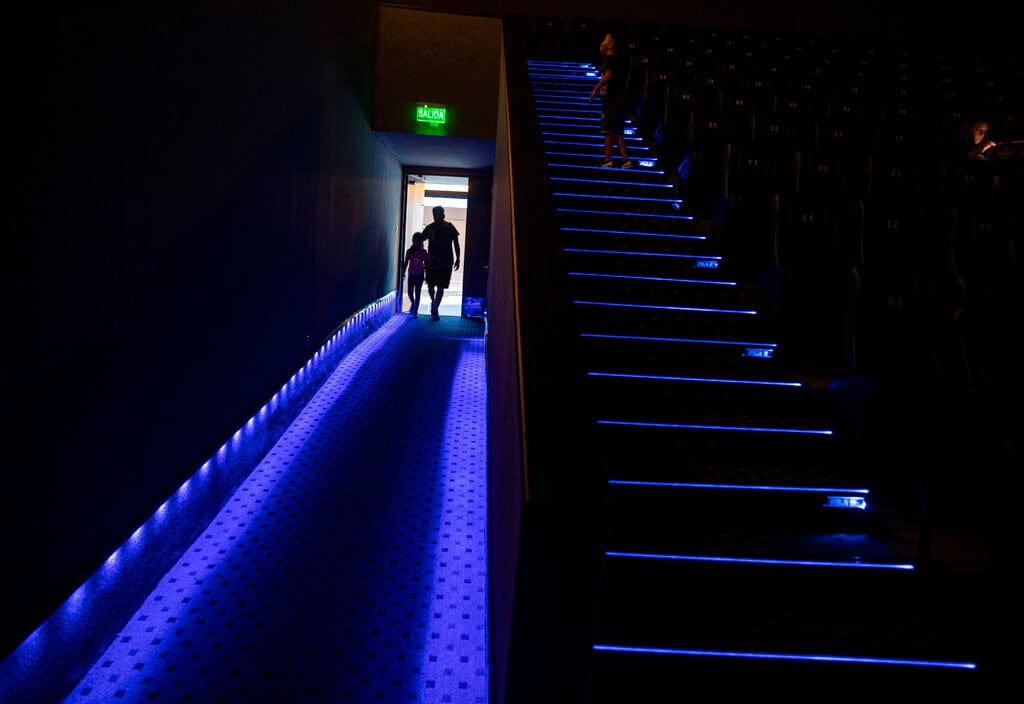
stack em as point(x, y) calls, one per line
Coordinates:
point(613, 114)
point(439, 273)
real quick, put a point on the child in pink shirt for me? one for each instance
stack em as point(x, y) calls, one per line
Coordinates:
point(415, 266)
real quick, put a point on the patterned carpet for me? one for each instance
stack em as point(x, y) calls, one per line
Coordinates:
point(351, 566)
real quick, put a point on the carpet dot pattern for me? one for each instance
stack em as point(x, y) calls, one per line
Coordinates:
point(351, 565)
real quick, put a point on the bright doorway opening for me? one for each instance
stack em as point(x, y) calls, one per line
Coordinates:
point(423, 192)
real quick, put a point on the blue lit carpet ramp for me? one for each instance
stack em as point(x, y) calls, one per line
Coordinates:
point(351, 566)
point(746, 551)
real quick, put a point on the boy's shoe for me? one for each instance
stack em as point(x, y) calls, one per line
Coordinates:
point(627, 164)
point(435, 316)
point(608, 164)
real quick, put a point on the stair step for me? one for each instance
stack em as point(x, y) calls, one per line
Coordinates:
point(749, 553)
point(588, 168)
point(727, 450)
point(806, 633)
point(617, 204)
point(754, 358)
point(784, 522)
point(629, 318)
point(700, 291)
point(602, 216)
point(610, 182)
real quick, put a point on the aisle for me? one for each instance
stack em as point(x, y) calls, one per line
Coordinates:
point(352, 564)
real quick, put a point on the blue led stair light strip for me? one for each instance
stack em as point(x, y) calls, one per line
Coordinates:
point(587, 126)
point(638, 233)
point(684, 340)
point(548, 104)
point(551, 75)
point(549, 107)
point(553, 62)
point(591, 142)
point(666, 279)
point(580, 250)
point(902, 566)
point(946, 664)
point(562, 77)
point(740, 487)
point(556, 97)
point(676, 202)
point(565, 87)
point(642, 233)
point(584, 211)
point(647, 164)
point(699, 379)
point(559, 87)
point(657, 216)
point(595, 180)
point(573, 121)
point(584, 130)
point(558, 63)
point(559, 77)
point(651, 306)
point(589, 139)
point(704, 426)
point(567, 112)
point(553, 99)
point(593, 116)
point(595, 154)
point(856, 502)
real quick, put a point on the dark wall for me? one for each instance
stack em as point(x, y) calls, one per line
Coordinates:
point(199, 201)
point(897, 19)
point(438, 58)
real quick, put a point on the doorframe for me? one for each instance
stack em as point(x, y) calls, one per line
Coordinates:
point(474, 239)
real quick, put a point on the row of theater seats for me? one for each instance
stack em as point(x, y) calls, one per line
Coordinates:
point(832, 170)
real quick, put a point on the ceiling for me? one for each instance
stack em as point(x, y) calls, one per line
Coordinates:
point(439, 152)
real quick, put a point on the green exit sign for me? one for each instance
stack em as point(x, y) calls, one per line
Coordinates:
point(434, 114)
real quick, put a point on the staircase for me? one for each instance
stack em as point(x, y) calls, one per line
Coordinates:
point(750, 548)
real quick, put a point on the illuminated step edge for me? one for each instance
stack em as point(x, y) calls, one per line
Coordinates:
point(698, 379)
point(743, 487)
point(853, 499)
point(761, 561)
point(700, 426)
point(684, 340)
point(666, 279)
point(649, 306)
point(828, 658)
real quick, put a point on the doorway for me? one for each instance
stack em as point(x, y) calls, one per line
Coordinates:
point(423, 192)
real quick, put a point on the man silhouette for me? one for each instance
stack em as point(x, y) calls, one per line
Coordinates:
point(444, 250)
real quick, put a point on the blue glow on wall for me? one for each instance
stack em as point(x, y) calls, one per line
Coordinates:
point(96, 605)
